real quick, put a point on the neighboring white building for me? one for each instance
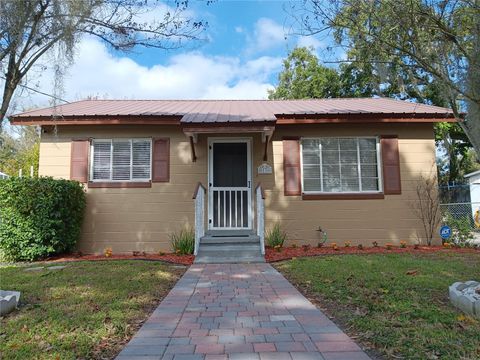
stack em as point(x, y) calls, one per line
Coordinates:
point(474, 181)
point(3, 176)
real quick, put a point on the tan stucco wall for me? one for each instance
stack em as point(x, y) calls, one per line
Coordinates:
point(141, 219)
point(357, 221)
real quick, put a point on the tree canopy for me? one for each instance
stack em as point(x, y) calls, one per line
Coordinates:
point(20, 152)
point(417, 42)
point(303, 76)
point(29, 29)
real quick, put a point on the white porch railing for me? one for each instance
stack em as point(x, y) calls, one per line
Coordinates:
point(231, 207)
point(199, 197)
point(260, 200)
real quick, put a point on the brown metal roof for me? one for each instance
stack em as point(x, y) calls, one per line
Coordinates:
point(223, 111)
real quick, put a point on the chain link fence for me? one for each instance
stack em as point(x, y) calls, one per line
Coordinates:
point(460, 207)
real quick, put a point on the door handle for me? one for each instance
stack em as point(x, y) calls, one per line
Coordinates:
point(249, 184)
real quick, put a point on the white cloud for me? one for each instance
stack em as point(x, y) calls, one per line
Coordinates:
point(239, 29)
point(309, 42)
point(191, 75)
point(267, 34)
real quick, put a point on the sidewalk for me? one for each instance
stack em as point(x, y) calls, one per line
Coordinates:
point(238, 311)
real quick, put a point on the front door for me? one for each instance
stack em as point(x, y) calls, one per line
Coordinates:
point(229, 184)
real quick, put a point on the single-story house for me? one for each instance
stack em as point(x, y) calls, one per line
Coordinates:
point(346, 166)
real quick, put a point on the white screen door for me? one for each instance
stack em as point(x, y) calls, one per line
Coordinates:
point(229, 184)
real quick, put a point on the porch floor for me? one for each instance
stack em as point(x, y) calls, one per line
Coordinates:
point(238, 311)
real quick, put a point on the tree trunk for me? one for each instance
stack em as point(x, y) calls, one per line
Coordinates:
point(472, 126)
point(12, 79)
point(7, 97)
point(472, 123)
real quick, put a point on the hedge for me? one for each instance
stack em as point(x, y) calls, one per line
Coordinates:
point(39, 217)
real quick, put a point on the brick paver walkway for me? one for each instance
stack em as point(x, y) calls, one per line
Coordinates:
point(238, 311)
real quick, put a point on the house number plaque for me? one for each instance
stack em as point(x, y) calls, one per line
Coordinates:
point(264, 169)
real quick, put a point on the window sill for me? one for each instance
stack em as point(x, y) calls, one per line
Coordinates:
point(344, 196)
point(124, 184)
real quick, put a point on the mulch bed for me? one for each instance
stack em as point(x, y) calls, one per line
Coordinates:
point(271, 255)
point(170, 258)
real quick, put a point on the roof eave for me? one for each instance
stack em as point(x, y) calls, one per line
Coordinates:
point(288, 119)
point(281, 119)
point(97, 120)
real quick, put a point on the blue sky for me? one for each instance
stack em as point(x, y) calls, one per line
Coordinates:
point(232, 25)
point(240, 58)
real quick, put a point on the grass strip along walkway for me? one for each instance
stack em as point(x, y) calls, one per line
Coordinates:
point(395, 304)
point(87, 310)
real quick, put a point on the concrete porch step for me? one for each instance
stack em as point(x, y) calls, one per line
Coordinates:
point(229, 259)
point(229, 247)
point(232, 233)
point(230, 240)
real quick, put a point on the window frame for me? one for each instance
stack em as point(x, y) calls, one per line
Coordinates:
point(111, 140)
point(379, 166)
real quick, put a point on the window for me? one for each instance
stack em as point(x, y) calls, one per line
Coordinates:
point(336, 165)
point(121, 160)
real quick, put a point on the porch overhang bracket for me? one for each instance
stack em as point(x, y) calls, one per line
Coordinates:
point(266, 137)
point(265, 149)
point(193, 141)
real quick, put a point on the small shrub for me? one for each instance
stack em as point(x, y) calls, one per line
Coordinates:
point(294, 245)
point(278, 248)
point(306, 247)
point(403, 244)
point(416, 246)
point(462, 234)
point(348, 244)
point(389, 246)
point(183, 242)
point(40, 217)
point(161, 253)
point(360, 247)
point(275, 236)
point(107, 252)
point(375, 244)
point(334, 246)
point(324, 238)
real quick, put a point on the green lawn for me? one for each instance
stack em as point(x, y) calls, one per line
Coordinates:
point(85, 311)
point(397, 304)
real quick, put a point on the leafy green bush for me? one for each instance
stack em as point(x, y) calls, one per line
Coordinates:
point(462, 230)
point(183, 242)
point(39, 217)
point(275, 236)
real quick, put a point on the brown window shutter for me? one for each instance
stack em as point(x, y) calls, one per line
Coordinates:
point(391, 165)
point(291, 167)
point(79, 160)
point(161, 160)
